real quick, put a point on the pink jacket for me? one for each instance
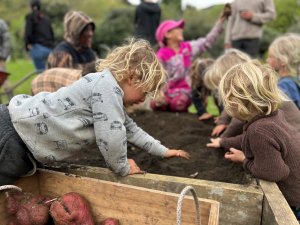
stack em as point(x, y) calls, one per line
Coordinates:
point(178, 64)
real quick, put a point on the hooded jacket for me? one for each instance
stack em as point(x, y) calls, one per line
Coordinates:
point(69, 53)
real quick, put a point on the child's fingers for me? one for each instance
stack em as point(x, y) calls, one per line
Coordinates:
point(183, 154)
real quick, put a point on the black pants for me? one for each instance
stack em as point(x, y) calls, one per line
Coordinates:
point(249, 46)
point(14, 155)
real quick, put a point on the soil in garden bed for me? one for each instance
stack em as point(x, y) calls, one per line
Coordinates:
point(177, 131)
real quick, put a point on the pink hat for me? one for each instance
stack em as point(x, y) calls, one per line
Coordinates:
point(166, 26)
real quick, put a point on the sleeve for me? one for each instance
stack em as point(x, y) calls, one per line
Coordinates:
point(113, 128)
point(232, 142)
point(266, 15)
point(224, 118)
point(143, 140)
point(28, 31)
point(60, 59)
point(108, 116)
point(234, 128)
point(267, 162)
point(5, 51)
point(289, 88)
point(202, 44)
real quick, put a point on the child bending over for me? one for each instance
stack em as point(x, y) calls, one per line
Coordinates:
point(199, 91)
point(284, 58)
point(270, 146)
point(212, 79)
point(90, 113)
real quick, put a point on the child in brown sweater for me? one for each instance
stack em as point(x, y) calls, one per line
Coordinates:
point(269, 146)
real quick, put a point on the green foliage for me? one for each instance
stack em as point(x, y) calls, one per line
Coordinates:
point(117, 26)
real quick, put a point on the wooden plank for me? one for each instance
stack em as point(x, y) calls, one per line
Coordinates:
point(29, 184)
point(132, 205)
point(240, 204)
point(275, 208)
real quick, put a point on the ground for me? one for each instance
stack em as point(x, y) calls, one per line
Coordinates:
point(178, 131)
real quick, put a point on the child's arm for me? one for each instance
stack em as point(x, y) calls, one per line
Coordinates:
point(143, 140)
point(203, 43)
point(265, 159)
point(226, 143)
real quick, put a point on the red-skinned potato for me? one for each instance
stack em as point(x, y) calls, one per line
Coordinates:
point(71, 209)
point(110, 221)
point(27, 209)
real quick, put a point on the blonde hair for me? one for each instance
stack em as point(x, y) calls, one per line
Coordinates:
point(135, 58)
point(287, 50)
point(250, 88)
point(222, 64)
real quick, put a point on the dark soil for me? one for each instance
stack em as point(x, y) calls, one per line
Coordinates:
point(178, 131)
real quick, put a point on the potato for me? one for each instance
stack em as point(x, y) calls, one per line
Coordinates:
point(27, 209)
point(110, 221)
point(71, 209)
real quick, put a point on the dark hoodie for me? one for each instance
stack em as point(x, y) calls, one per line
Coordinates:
point(69, 53)
point(147, 17)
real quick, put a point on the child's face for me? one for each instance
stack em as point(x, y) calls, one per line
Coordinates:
point(273, 61)
point(175, 34)
point(132, 94)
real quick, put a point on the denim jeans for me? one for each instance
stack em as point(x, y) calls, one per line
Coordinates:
point(39, 55)
point(15, 159)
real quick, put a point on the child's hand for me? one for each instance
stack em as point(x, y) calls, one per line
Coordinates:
point(205, 116)
point(177, 153)
point(134, 168)
point(215, 143)
point(235, 155)
point(218, 129)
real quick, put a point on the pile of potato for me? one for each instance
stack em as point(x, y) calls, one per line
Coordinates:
point(70, 209)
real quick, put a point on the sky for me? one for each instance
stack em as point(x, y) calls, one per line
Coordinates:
point(200, 4)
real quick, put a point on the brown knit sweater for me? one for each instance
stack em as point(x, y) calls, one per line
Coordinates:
point(271, 146)
point(235, 127)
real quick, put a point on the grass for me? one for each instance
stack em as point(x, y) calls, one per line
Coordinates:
point(18, 69)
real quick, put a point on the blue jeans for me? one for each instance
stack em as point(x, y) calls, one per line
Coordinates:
point(39, 55)
point(14, 155)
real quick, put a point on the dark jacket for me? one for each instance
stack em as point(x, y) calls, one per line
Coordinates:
point(38, 30)
point(69, 53)
point(147, 18)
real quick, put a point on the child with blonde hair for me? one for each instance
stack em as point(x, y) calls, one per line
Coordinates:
point(270, 146)
point(90, 113)
point(212, 79)
point(227, 126)
point(284, 58)
point(199, 91)
point(176, 56)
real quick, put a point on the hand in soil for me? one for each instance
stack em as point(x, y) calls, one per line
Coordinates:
point(177, 153)
point(205, 116)
point(215, 143)
point(235, 155)
point(134, 168)
point(218, 129)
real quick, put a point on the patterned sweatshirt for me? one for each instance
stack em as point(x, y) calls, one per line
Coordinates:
point(76, 118)
point(271, 147)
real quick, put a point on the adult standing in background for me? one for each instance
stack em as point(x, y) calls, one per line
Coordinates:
point(39, 35)
point(147, 19)
point(75, 51)
point(245, 25)
point(4, 54)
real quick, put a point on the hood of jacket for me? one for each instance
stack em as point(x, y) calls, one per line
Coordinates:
point(74, 23)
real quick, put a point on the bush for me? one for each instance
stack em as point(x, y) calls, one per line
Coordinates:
point(116, 27)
